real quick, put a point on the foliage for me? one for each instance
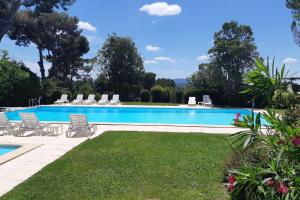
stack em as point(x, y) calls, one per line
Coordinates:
point(120, 63)
point(233, 54)
point(17, 83)
point(60, 37)
point(9, 8)
point(165, 83)
point(179, 96)
point(145, 95)
point(267, 83)
point(292, 116)
point(85, 88)
point(149, 80)
point(276, 176)
point(294, 5)
point(157, 93)
point(116, 165)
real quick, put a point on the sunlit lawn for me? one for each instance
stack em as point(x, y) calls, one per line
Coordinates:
point(134, 165)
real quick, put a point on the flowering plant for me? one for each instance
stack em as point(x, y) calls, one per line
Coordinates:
point(278, 175)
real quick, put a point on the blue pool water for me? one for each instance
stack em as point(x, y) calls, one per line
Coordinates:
point(143, 115)
point(6, 149)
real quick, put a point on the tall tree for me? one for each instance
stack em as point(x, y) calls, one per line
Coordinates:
point(120, 63)
point(233, 54)
point(60, 38)
point(149, 80)
point(9, 8)
point(294, 5)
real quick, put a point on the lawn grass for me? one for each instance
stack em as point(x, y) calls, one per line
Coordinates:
point(149, 104)
point(134, 166)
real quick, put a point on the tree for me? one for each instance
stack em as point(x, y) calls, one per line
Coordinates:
point(149, 80)
point(233, 54)
point(164, 82)
point(294, 5)
point(120, 63)
point(60, 37)
point(17, 83)
point(9, 8)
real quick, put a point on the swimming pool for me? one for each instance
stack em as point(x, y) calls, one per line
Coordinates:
point(4, 149)
point(135, 115)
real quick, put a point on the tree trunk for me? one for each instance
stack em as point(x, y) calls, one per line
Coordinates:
point(41, 63)
point(7, 19)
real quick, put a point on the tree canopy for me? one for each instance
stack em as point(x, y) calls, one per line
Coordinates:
point(294, 5)
point(120, 63)
point(9, 8)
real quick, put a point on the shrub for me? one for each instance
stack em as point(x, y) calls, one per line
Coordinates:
point(179, 96)
point(85, 89)
point(157, 93)
point(171, 95)
point(145, 95)
point(17, 83)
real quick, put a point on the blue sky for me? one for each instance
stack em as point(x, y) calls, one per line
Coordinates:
point(173, 37)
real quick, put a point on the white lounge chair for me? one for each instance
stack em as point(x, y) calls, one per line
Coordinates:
point(207, 101)
point(79, 125)
point(30, 122)
point(63, 99)
point(115, 100)
point(90, 100)
point(103, 100)
point(5, 126)
point(78, 100)
point(192, 101)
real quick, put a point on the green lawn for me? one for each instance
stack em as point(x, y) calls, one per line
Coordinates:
point(149, 104)
point(134, 165)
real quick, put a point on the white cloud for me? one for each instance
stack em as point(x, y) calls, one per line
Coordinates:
point(161, 9)
point(290, 61)
point(150, 62)
point(204, 58)
point(86, 26)
point(168, 59)
point(152, 48)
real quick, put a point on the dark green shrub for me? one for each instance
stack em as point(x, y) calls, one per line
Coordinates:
point(179, 96)
point(171, 95)
point(145, 95)
point(157, 93)
point(125, 92)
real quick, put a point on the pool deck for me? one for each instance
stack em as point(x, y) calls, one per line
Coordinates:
point(49, 148)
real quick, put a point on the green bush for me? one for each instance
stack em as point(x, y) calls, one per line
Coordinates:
point(171, 95)
point(85, 88)
point(17, 83)
point(179, 96)
point(145, 95)
point(157, 93)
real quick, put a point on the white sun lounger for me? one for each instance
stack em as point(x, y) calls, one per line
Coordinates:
point(206, 101)
point(30, 122)
point(192, 101)
point(78, 100)
point(103, 100)
point(90, 100)
point(6, 127)
point(115, 100)
point(63, 99)
point(80, 125)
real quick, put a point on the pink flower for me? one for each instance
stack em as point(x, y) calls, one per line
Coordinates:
point(281, 188)
point(237, 116)
point(296, 140)
point(231, 181)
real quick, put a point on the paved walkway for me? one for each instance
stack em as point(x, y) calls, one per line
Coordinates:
point(21, 168)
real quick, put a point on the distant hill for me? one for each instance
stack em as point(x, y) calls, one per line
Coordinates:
point(180, 82)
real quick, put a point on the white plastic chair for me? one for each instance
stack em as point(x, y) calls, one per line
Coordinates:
point(6, 127)
point(115, 100)
point(103, 100)
point(207, 100)
point(90, 100)
point(192, 101)
point(80, 125)
point(30, 122)
point(63, 99)
point(78, 100)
